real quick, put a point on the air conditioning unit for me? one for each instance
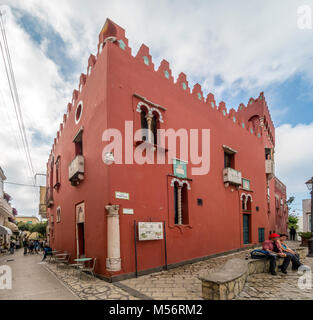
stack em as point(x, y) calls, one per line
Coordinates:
point(76, 169)
point(269, 167)
point(232, 176)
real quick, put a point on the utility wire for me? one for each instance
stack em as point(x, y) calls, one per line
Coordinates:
point(21, 184)
point(14, 94)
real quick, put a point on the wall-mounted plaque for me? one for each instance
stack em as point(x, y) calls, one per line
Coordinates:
point(128, 211)
point(180, 168)
point(246, 184)
point(150, 231)
point(121, 195)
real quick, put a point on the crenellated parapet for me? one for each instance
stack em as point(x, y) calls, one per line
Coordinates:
point(253, 117)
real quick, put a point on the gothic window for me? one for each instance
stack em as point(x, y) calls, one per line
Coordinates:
point(181, 216)
point(150, 120)
point(243, 202)
point(57, 173)
point(248, 205)
point(144, 124)
point(176, 202)
point(58, 217)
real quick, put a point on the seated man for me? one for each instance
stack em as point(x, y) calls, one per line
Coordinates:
point(295, 259)
point(274, 250)
point(47, 252)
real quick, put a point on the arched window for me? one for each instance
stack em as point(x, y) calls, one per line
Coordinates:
point(58, 217)
point(176, 202)
point(150, 119)
point(181, 202)
point(144, 124)
point(243, 202)
point(248, 206)
point(184, 204)
point(155, 124)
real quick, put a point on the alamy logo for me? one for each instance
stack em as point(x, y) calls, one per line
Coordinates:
point(5, 278)
point(305, 281)
point(304, 17)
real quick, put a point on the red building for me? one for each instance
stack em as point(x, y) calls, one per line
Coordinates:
point(93, 204)
point(281, 207)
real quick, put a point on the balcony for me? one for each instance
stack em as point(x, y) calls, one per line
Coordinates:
point(269, 167)
point(49, 197)
point(43, 211)
point(76, 170)
point(5, 209)
point(232, 176)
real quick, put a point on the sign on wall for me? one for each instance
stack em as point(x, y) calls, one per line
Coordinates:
point(150, 231)
point(128, 211)
point(246, 184)
point(121, 195)
point(180, 168)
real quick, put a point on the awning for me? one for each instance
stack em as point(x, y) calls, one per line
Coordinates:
point(13, 227)
point(5, 231)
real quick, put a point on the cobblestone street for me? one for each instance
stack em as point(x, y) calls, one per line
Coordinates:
point(181, 283)
point(264, 286)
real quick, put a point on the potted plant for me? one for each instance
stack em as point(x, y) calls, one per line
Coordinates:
point(305, 236)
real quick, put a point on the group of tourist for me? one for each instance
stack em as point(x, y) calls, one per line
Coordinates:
point(33, 246)
point(275, 248)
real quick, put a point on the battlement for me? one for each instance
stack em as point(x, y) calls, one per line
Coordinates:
point(246, 117)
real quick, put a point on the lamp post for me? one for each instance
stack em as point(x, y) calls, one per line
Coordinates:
point(309, 184)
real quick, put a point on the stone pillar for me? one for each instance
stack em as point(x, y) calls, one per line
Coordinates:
point(113, 261)
point(180, 216)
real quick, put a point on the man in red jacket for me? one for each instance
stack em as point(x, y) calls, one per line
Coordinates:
point(274, 249)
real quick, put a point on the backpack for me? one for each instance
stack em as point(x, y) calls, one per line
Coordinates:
point(259, 254)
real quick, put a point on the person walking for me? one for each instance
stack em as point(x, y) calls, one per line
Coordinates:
point(292, 233)
point(31, 247)
point(25, 245)
point(12, 246)
point(36, 246)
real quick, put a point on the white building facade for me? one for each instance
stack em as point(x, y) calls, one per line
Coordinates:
point(306, 209)
point(6, 212)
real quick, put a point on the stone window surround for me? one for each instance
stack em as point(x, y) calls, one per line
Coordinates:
point(247, 196)
point(58, 215)
point(150, 114)
point(181, 183)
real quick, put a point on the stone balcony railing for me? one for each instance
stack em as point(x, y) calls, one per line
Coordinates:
point(5, 209)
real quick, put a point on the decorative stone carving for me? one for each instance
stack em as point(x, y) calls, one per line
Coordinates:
point(180, 183)
point(150, 110)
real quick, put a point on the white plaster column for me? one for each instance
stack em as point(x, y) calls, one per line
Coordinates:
point(113, 261)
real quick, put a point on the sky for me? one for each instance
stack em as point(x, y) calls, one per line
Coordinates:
point(234, 49)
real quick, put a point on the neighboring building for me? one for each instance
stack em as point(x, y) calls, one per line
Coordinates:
point(306, 209)
point(42, 203)
point(30, 220)
point(281, 208)
point(6, 213)
point(94, 208)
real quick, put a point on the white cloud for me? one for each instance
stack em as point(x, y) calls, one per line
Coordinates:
point(248, 44)
point(294, 155)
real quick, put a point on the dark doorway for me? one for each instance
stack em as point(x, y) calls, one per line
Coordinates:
point(81, 238)
point(246, 229)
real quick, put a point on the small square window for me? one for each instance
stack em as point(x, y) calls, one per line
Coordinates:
point(200, 202)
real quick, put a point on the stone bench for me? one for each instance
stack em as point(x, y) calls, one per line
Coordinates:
point(230, 280)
